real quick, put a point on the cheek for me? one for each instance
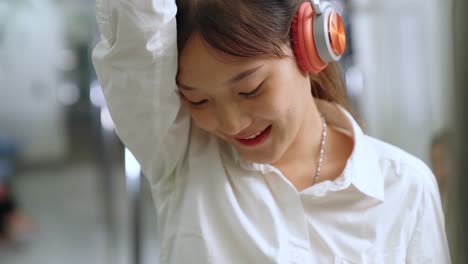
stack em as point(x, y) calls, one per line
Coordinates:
point(262, 110)
point(203, 118)
point(272, 106)
point(284, 98)
point(200, 117)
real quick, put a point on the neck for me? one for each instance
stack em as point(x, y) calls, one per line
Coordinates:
point(301, 158)
point(299, 164)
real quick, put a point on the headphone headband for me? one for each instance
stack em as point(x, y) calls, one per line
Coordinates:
point(316, 6)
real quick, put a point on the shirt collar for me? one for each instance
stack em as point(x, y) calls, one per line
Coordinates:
point(362, 168)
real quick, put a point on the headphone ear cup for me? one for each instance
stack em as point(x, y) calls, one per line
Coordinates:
point(329, 34)
point(298, 43)
point(302, 33)
point(298, 53)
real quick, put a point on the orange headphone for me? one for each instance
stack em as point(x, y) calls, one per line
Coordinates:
point(318, 35)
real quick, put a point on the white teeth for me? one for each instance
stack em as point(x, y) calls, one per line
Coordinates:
point(254, 136)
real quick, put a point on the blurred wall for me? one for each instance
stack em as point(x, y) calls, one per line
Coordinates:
point(461, 83)
point(31, 55)
point(45, 73)
point(403, 49)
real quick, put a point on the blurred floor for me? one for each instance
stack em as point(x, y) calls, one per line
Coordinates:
point(66, 204)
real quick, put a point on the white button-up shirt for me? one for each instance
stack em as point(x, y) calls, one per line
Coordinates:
point(215, 207)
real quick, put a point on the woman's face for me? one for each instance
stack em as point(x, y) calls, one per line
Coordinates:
point(255, 104)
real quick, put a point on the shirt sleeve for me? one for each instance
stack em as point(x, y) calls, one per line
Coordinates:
point(136, 64)
point(429, 242)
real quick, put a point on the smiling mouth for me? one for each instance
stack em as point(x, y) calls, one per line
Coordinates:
point(256, 138)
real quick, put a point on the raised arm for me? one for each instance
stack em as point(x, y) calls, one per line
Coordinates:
point(136, 64)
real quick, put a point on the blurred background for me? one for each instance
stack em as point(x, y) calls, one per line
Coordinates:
point(69, 193)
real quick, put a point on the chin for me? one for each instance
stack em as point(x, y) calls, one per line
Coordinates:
point(269, 153)
point(263, 157)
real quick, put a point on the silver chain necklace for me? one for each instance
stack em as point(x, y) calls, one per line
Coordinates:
point(322, 148)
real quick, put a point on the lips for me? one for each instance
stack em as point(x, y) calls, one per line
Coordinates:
point(256, 138)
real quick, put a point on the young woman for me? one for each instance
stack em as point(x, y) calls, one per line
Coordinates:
point(246, 140)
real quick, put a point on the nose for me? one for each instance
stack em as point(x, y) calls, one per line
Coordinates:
point(231, 119)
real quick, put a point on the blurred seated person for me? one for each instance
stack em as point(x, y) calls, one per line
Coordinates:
point(14, 225)
point(442, 162)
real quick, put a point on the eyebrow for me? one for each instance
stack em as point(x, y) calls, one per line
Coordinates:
point(243, 75)
point(238, 77)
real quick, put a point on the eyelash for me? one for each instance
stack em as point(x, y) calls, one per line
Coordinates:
point(253, 93)
point(199, 103)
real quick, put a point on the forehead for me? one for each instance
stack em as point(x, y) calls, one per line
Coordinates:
point(199, 60)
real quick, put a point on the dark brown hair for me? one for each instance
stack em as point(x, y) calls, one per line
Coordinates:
point(247, 28)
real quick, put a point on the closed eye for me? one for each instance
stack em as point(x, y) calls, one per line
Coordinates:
point(198, 103)
point(255, 92)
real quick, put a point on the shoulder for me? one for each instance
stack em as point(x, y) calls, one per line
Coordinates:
point(400, 167)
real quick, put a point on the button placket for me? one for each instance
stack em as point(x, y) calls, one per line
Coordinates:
point(301, 252)
point(296, 247)
point(296, 218)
